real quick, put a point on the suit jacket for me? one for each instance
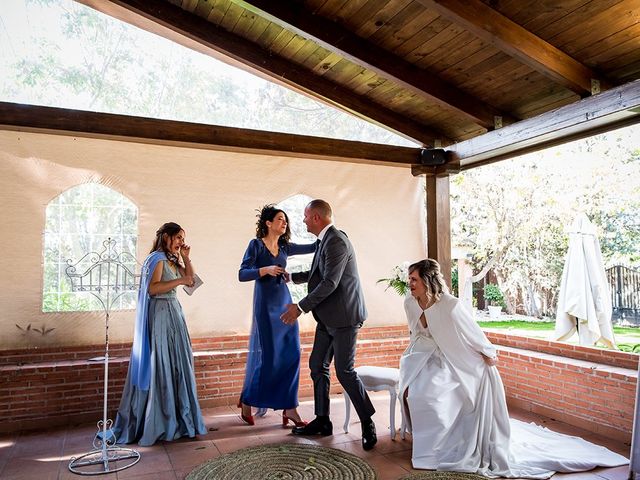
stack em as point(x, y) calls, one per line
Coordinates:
point(335, 296)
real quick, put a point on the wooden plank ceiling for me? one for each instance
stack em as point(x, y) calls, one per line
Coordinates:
point(436, 71)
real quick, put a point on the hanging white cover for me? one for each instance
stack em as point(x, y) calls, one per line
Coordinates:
point(584, 302)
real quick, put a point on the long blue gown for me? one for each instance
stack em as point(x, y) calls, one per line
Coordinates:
point(169, 409)
point(273, 363)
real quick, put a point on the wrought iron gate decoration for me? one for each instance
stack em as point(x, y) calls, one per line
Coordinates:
point(624, 283)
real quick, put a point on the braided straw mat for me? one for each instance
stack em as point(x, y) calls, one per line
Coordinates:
point(284, 462)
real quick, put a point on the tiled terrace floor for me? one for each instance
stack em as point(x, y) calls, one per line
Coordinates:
point(45, 455)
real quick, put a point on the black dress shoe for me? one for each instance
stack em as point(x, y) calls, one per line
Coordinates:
point(369, 437)
point(315, 427)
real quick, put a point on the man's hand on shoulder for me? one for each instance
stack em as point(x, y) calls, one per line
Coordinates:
point(291, 314)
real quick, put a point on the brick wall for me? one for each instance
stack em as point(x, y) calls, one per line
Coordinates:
point(589, 394)
point(595, 355)
point(587, 387)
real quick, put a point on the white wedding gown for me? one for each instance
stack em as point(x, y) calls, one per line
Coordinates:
point(458, 410)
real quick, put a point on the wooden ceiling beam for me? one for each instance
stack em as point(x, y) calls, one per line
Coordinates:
point(496, 29)
point(615, 108)
point(172, 22)
point(14, 116)
point(292, 16)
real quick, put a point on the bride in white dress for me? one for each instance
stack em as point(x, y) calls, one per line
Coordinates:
point(454, 400)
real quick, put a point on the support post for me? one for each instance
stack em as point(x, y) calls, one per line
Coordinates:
point(439, 223)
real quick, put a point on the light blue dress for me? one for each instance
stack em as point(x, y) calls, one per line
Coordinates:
point(169, 409)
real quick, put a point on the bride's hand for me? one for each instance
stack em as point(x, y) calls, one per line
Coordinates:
point(489, 360)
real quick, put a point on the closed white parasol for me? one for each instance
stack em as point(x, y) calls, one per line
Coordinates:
point(584, 303)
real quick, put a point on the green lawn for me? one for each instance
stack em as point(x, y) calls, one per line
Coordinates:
point(627, 338)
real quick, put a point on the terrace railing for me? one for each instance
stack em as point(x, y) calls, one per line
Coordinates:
point(624, 283)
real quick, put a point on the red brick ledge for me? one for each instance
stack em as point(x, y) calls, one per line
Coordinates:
point(590, 395)
point(614, 358)
point(54, 393)
point(32, 355)
point(238, 341)
point(594, 391)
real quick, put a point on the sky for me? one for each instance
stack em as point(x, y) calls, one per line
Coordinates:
point(25, 23)
point(22, 20)
point(18, 23)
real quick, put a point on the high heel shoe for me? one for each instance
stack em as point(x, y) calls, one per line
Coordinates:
point(247, 418)
point(286, 420)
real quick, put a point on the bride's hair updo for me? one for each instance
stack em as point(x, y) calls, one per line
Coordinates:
point(267, 214)
point(429, 271)
point(170, 229)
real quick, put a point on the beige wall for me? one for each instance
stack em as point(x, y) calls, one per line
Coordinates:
point(213, 195)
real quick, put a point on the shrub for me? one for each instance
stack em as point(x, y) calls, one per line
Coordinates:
point(493, 295)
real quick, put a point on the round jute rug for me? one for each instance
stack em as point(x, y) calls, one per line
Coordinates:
point(433, 475)
point(284, 462)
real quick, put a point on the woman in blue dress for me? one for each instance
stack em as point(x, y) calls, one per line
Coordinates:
point(159, 401)
point(273, 363)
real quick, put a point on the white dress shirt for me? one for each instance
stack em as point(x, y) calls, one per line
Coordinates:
point(321, 235)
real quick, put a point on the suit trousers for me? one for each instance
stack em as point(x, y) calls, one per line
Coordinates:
point(338, 344)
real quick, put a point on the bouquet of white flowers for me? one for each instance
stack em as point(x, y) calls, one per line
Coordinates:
point(399, 279)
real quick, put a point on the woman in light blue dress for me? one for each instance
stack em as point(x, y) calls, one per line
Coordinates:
point(273, 362)
point(159, 401)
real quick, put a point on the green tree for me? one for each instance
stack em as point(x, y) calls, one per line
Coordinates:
point(87, 60)
point(514, 213)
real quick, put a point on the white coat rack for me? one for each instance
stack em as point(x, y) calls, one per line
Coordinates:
point(107, 277)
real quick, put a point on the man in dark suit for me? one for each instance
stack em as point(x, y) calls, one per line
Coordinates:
point(336, 301)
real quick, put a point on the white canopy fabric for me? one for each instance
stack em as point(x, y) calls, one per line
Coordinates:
point(584, 303)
